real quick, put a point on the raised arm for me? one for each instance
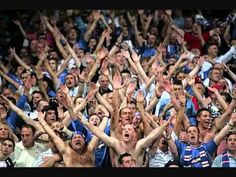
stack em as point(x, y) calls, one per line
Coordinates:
point(219, 98)
point(60, 144)
point(109, 141)
point(21, 114)
point(231, 124)
point(18, 59)
point(10, 80)
point(95, 140)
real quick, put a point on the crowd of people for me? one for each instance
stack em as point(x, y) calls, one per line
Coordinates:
point(118, 88)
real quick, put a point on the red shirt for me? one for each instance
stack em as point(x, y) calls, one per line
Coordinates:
point(193, 41)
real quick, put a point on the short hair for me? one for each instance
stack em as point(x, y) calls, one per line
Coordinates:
point(193, 126)
point(201, 110)
point(39, 92)
point(229, 134)
point(29, 126)
point(177, 82)
point(120, 159)
point(51, 106)
point(9, 139)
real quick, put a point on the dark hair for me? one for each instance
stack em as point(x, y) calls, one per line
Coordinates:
point(200, 111)
point(177, 82)
point(120, 159)
point(174, 162)
point(39, 92)
point(9, 139)
point(229, 134)
point(52, 106)
point(227, 96)
point(193, 126)
point(29, 126)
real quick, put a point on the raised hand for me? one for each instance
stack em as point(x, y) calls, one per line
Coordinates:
point(214, 90)
point(200, 61)
point(12, 51)
point(185, 55)
point(135, 56)
point(96, 14)
point(167, 85)
point(17, 22)
point(41, 115)
point(159, 89)
point(102, 53)
point(140, 97)
point(182, 99)
point(64, 89)
point(125, 53)
point(190, 80)
point(91, 95)
point(104, 68)
point(116, 81)
point(131, 87)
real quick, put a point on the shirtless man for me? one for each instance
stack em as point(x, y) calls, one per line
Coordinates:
point(128, 141)
point(78, 153)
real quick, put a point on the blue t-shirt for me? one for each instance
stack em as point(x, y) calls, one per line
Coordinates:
point(209, 147)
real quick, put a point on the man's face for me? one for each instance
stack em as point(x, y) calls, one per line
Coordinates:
point(128, 133)
point(92, 43)
point(57, 126)
point(193, 135)
point(215, 75)
point(132, 107)
point(77, 142)
point(104, 82)
point(50, 117)
point(4, 132)
point(200, 88)
point(3, 112)
point(213, 50)
point(178, 89)
point(95, 120)
point(231, 143)
point(53, 64)
point(35, 98)
point(27, 137)
point(70, 81)
point(42, 104)
point(7, 147)
point(181, 76)
point(126, 116)
point(204, 119)
point(128, 162)
point(72, 34)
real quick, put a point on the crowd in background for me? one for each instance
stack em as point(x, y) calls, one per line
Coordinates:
point(118, 88)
